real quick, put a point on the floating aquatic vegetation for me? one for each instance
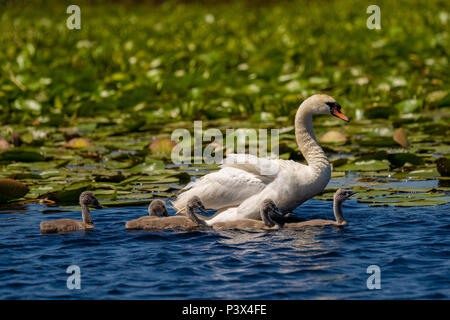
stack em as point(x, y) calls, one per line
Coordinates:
point(11, 189)
point(333, 136)
point(401, 138)
point(4, 145)
point(22, 155)
point(365, 165)
point(443, 166)
point(77, 143)
point(227, 77)
point(162, 145)
point(399, 159)
point(68, 194)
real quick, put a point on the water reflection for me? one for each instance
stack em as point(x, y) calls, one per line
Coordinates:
point(12, 208)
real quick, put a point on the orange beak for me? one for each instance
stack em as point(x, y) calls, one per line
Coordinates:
point(342, 116)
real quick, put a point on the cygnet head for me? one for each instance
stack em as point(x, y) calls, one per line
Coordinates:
point(268, 210)
point(343, 194)
point(87, 198)
point(158, 208)
point(195, 203)
point(323, 104)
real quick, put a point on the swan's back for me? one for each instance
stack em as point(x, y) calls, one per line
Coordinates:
point(241, 224)
point(139, 223)
point(227, 187)
point(64, 225)
point(158, 223)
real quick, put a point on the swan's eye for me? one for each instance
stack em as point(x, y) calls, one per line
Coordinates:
point(333, 105)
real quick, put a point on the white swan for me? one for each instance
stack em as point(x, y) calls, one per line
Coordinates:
point(240, 187)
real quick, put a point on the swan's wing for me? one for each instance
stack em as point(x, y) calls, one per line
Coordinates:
point(241, 177)
point(227, 187)
point(266, 169)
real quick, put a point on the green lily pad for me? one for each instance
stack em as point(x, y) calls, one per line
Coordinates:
point(443, 166)
point(133, 203)
point(399, 159)
point(408, 106)
point(365, 165)
point(21, 155)
point(147, 167)
point(68, 194)
point(380, 112)
point(162, 145)
point(77, 143)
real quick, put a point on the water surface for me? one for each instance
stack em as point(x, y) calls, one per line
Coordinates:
point(410, 245)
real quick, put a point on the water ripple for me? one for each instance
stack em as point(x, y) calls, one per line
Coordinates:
point(410, 245)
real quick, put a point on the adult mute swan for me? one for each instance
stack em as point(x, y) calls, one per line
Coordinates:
point(87, 199)
point(239, 188)
point(155, 222)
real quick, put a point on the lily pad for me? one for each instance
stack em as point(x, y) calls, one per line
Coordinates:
point(399, 159)
point(443, 166)
point(333, 136)
point(21, 155)
point(78, 143)
point(11, 189)
point(408, 106)
point(162, 145)
point(133, 203)
point(4, 145)
point(147, 167)
point(69, 194)
point(365, 165)
point(380, 112)
point(400, 138)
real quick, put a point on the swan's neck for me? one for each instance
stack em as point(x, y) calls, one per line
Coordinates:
point(87, 218)
point(337, 208)
point(268, 221)
point(191, 215)
point(266, 218)
point(307, 142)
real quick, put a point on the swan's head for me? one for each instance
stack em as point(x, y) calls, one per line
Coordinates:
point(87, 198)
point(269, 206)
point(324, 104)
point(158, 208)
point(268, 210)
point(195, 203)
point(343, 194)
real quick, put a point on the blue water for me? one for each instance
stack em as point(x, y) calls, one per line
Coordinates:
point(410, 245)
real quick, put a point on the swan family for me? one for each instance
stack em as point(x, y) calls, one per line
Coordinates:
point(238, 189)
point(247, 192)
point(158, 218)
